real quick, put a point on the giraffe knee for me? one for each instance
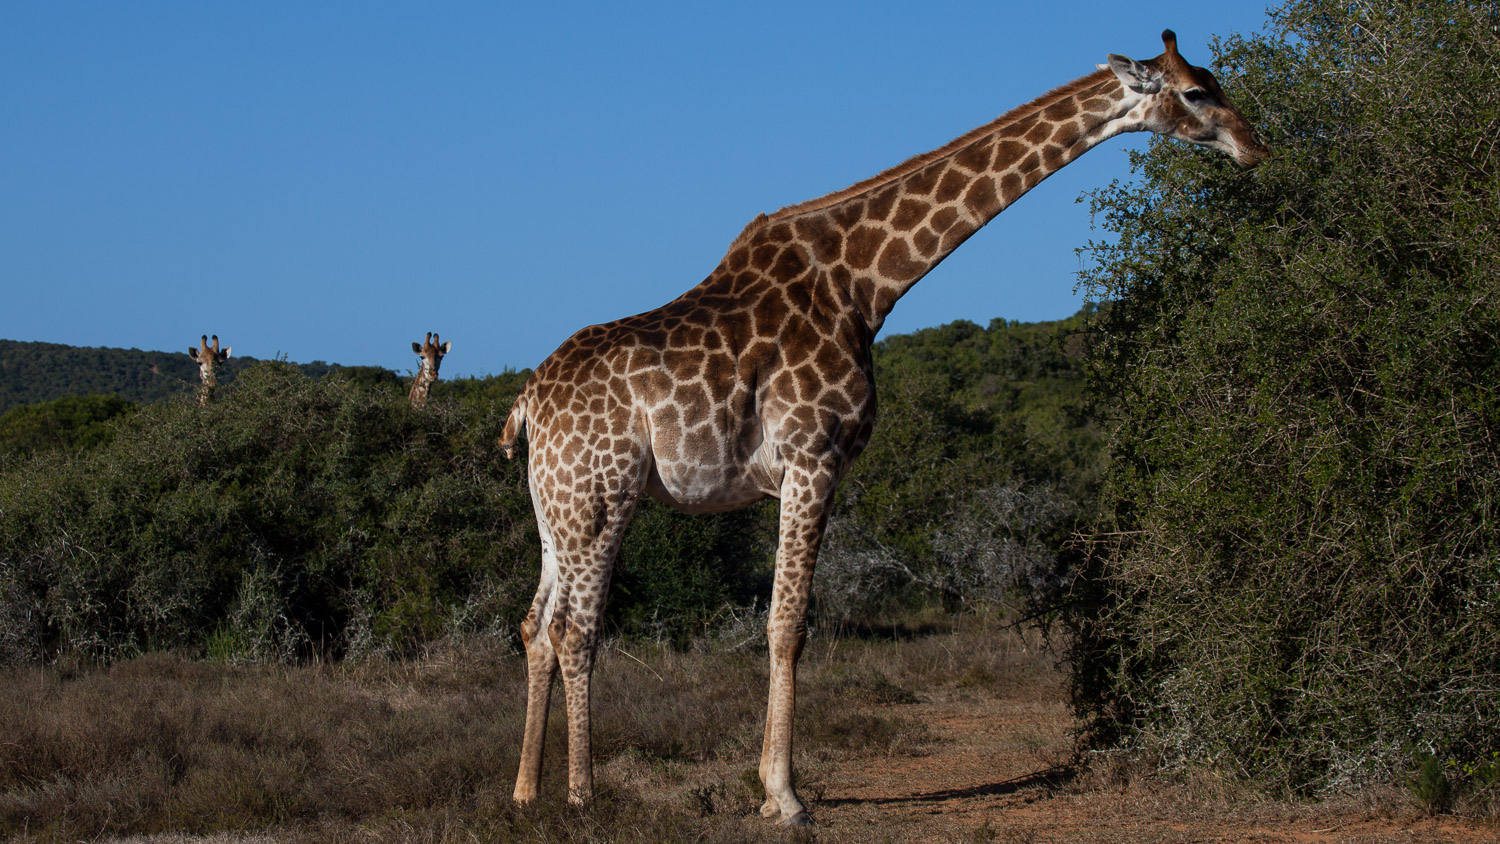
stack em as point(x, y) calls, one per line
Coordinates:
point(786, 641)
point(568, 636)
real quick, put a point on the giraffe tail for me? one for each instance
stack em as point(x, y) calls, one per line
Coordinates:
point(514, 425)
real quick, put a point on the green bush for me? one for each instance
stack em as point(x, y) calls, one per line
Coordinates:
point(982, 460)
point(292, 512)
point(1297, 574)
point(296, 515)
point(677, 572)
point(309, 510)
point(73, 422)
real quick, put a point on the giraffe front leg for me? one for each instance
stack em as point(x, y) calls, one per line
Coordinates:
point(804, 513)
point(786, 640)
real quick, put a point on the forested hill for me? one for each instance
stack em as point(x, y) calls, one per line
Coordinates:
point(993, 367)
point(38, 372)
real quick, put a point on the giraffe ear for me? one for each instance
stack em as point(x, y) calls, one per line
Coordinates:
point(446, 346)
point(192, 353)
point(224, 355)
point(1135, 75)
point(416, 347)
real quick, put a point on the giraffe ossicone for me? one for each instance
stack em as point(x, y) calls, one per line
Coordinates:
point(758, 382)
point(208, 360)
point(430, 354)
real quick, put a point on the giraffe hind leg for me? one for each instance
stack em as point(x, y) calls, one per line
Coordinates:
point(575, 634)
point(541, 669)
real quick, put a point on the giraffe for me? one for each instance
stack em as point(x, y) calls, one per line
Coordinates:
point(758, 382)
point(208, 366)
point(429, 357)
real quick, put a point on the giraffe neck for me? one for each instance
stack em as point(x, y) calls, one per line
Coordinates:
point(881, 236)
point(206, 389)
point(421, 384)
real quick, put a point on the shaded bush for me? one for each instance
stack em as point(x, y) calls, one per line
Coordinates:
point(982, 460)
point(292, 512)
point(72, 422)
point(676, 573)
point(296, 515)
point(1298, 573)
point(311, 509)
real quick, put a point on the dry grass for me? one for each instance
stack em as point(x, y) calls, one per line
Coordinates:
point(956, 734)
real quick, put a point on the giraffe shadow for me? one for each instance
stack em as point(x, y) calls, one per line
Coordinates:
point(1047, 779)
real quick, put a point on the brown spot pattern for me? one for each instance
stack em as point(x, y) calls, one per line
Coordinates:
point(756, 383)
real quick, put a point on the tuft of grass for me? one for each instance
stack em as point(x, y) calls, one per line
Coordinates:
point(1429, 784)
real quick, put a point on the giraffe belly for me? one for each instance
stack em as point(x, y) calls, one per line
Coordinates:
point(703, 489)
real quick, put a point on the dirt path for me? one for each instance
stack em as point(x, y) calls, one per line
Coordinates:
point(993, 773)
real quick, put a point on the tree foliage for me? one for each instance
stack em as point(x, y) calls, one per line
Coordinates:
point(981, 462)
point(66, 423)
point(1297, 575)
point(32, 373)
point(297, 514)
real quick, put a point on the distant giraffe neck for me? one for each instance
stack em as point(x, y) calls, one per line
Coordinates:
point(422, 384)
point(210, 382)
point(882, 235)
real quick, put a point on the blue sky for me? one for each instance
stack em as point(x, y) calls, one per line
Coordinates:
point(329, 181)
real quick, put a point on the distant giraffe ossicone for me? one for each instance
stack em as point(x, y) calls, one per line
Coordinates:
point(758, 382)
point(208, 366)
point(429, 357)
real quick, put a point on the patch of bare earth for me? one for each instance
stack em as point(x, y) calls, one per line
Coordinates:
point(995, 771)
point(984, 758)
point(982, 781)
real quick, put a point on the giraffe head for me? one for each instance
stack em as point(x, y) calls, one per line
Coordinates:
point(208, 359)
point(430, 355)
point(1185, 102)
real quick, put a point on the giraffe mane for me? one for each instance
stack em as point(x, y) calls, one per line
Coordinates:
point(917, 162)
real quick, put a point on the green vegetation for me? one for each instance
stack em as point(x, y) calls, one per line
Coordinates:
point(291, 514)
point(981, 464)
point(31, 373)
point(72, 422)
point(1289, 568)
point(299, 515)
point(1296, 578)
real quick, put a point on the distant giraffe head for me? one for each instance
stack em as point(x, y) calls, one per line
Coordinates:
point(208, 360)
point(1185, 102)
point(429, 357)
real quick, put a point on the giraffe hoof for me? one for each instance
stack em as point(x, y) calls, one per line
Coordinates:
point(801, 819)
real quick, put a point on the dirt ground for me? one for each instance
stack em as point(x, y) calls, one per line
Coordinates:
point(944, 738)
point(990, 774)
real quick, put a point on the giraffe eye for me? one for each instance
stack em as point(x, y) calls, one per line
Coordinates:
point(1195, 96)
